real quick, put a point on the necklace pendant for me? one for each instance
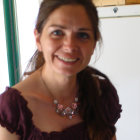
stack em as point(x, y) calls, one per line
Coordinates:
point(68, 110)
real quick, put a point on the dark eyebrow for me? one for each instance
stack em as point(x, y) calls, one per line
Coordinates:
point(63, 27)
point(60, 26)
point(85, 29)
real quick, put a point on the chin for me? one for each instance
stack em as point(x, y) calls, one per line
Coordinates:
point(67, 73)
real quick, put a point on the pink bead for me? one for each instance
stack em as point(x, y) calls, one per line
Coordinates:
point(74, 105)
point(60, 107)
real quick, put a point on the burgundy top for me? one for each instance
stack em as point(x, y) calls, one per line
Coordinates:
point(17, 117)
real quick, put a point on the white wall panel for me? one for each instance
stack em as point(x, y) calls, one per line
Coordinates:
point(26, 12)
point(120, 61)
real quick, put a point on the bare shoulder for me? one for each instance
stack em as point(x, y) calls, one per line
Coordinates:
point(6, 135)
point(29, 85)
point(30, 90)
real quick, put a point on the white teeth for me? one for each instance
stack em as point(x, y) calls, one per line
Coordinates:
point(67, 59)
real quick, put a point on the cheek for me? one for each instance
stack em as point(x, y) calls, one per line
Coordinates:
point(88, 50)
point(87, 53)
point(47, 45)
point(50, 48)
point(92, 48)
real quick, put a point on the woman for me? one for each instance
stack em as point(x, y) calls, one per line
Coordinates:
point(62, 98)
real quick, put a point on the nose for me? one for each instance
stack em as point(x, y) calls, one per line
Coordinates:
point(70, 43)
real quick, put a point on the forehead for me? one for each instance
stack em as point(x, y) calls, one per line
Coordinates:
point(70, 15)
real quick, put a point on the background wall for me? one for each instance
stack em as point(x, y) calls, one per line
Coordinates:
point(26, 25)
point(120, 61)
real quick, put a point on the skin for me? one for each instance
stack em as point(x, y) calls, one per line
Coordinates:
point(67, 35)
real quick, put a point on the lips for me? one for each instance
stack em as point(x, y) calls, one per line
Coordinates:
point(70, 60)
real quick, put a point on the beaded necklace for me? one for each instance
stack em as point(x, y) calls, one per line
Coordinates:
point(69, 111)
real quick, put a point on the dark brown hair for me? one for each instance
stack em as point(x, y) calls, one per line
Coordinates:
point(99, 123)
point(45, 10)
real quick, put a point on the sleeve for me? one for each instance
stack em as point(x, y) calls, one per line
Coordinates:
point(13, 113)
point(111, 107)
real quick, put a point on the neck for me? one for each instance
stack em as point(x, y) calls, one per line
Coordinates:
point(60, 87)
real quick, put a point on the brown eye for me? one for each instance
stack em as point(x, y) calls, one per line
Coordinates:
point(57, 33)
point(83, 35)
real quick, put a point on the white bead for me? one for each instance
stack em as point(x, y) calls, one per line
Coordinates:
point(63, 113)
point(72, 112)
point(76, 99)
point(55, 101)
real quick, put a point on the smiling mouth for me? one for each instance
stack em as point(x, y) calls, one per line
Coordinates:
point(67, 59)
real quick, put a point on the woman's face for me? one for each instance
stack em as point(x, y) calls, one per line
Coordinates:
point(67, 40)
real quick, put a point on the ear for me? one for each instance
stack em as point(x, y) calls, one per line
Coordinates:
point(37, 40)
